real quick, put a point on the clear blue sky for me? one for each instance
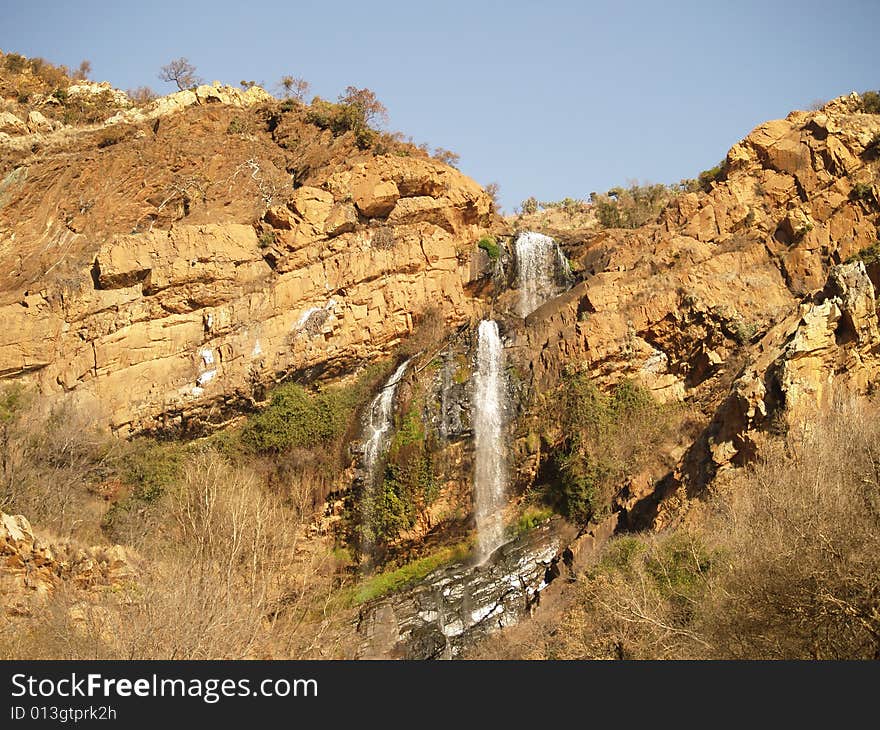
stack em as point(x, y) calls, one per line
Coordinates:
point(550, 99)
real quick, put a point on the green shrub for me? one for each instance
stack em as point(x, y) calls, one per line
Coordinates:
point(239, 125)
point(871, 102)
point(679, 566)
point(713, 174)
point(355, 111)
point(152, 466)
point(531, 518)
point(868, 255)
point(403, 490)
point(620, 554)
point(803, 231)
point(322, 113)
point(410, 431)
point(631, 207)
point(396, 579)
point(365, 137)
point(409, 484)
point(296, 417)
point(605, 436)
point(15, 63)
point(338, 118)
point(86, 108)
point(862, 191)
point(529, 205)
point(490, 246)
point(14, 399)
point(569, 206)
point(267, 239)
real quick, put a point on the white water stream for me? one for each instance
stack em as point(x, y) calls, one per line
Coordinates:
point(489, 419)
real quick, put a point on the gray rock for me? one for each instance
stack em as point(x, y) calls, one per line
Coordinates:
point(453, 607)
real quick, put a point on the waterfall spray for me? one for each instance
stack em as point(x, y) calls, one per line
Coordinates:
point(542, 271)
point(490, 411)
point(377, 428)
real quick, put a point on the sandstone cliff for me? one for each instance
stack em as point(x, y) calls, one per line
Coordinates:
point(723, 302)
point(165, 263)
point(180, 257)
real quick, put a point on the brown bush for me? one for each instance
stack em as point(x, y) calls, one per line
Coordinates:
point(801, 575)
point(50, 458)
point(224, 573)
point(142, 95)
point(787, 568)
point(222, 566)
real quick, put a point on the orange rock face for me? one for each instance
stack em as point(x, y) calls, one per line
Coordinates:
point(158, 321)
point(734, 300)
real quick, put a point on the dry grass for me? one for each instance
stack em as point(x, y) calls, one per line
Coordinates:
point(786, 568)
point(800, 575)
point(224, 565)
point(226, 574)
point(50, 458)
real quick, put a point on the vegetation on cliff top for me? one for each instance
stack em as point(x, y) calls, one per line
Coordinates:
point(626, 207)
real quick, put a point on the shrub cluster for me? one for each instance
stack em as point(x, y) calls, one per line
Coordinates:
point(633, 206)
point(871, 102)
point(296, 417)
point(605, 436)
point(204, 510)
point(355, 111)
point(405, 489)
point(784, 567)
point(490, 246)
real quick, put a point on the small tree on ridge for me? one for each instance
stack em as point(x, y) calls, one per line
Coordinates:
point(181, 72)
point(293, 87)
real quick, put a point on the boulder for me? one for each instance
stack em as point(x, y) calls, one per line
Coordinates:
point(423, 209)
point(343, 218)
point(796, 224)
point(11, 124)
point(375, 198)
point(313, 205)
point(36, 122)
point(280, 216)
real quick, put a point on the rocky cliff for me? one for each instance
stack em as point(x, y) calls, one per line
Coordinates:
point(735, 301)
point(175, 259)
point(167, 263)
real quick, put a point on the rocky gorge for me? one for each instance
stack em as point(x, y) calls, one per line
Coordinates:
point(173, 268)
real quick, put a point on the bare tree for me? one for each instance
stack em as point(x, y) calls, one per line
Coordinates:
point(369, 107)
point(293, 87)
point(181, 72)
point(447, 157)
point(82, 73)
point(141, 95)
point(493, 190)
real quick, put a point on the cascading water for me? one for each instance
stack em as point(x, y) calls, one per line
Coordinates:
point(377, 427)
point(490, 410)
point(542, 270)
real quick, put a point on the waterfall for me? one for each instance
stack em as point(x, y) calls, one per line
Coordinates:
point(542, 271)
point(377, 427)
point(489, 419)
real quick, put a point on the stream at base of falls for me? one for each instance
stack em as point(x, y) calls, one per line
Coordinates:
point(452, 608)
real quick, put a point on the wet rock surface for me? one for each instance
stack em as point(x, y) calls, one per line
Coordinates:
point(453, 607)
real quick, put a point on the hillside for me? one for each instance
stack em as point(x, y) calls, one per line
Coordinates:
point(222, 309)
point(109, 293)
